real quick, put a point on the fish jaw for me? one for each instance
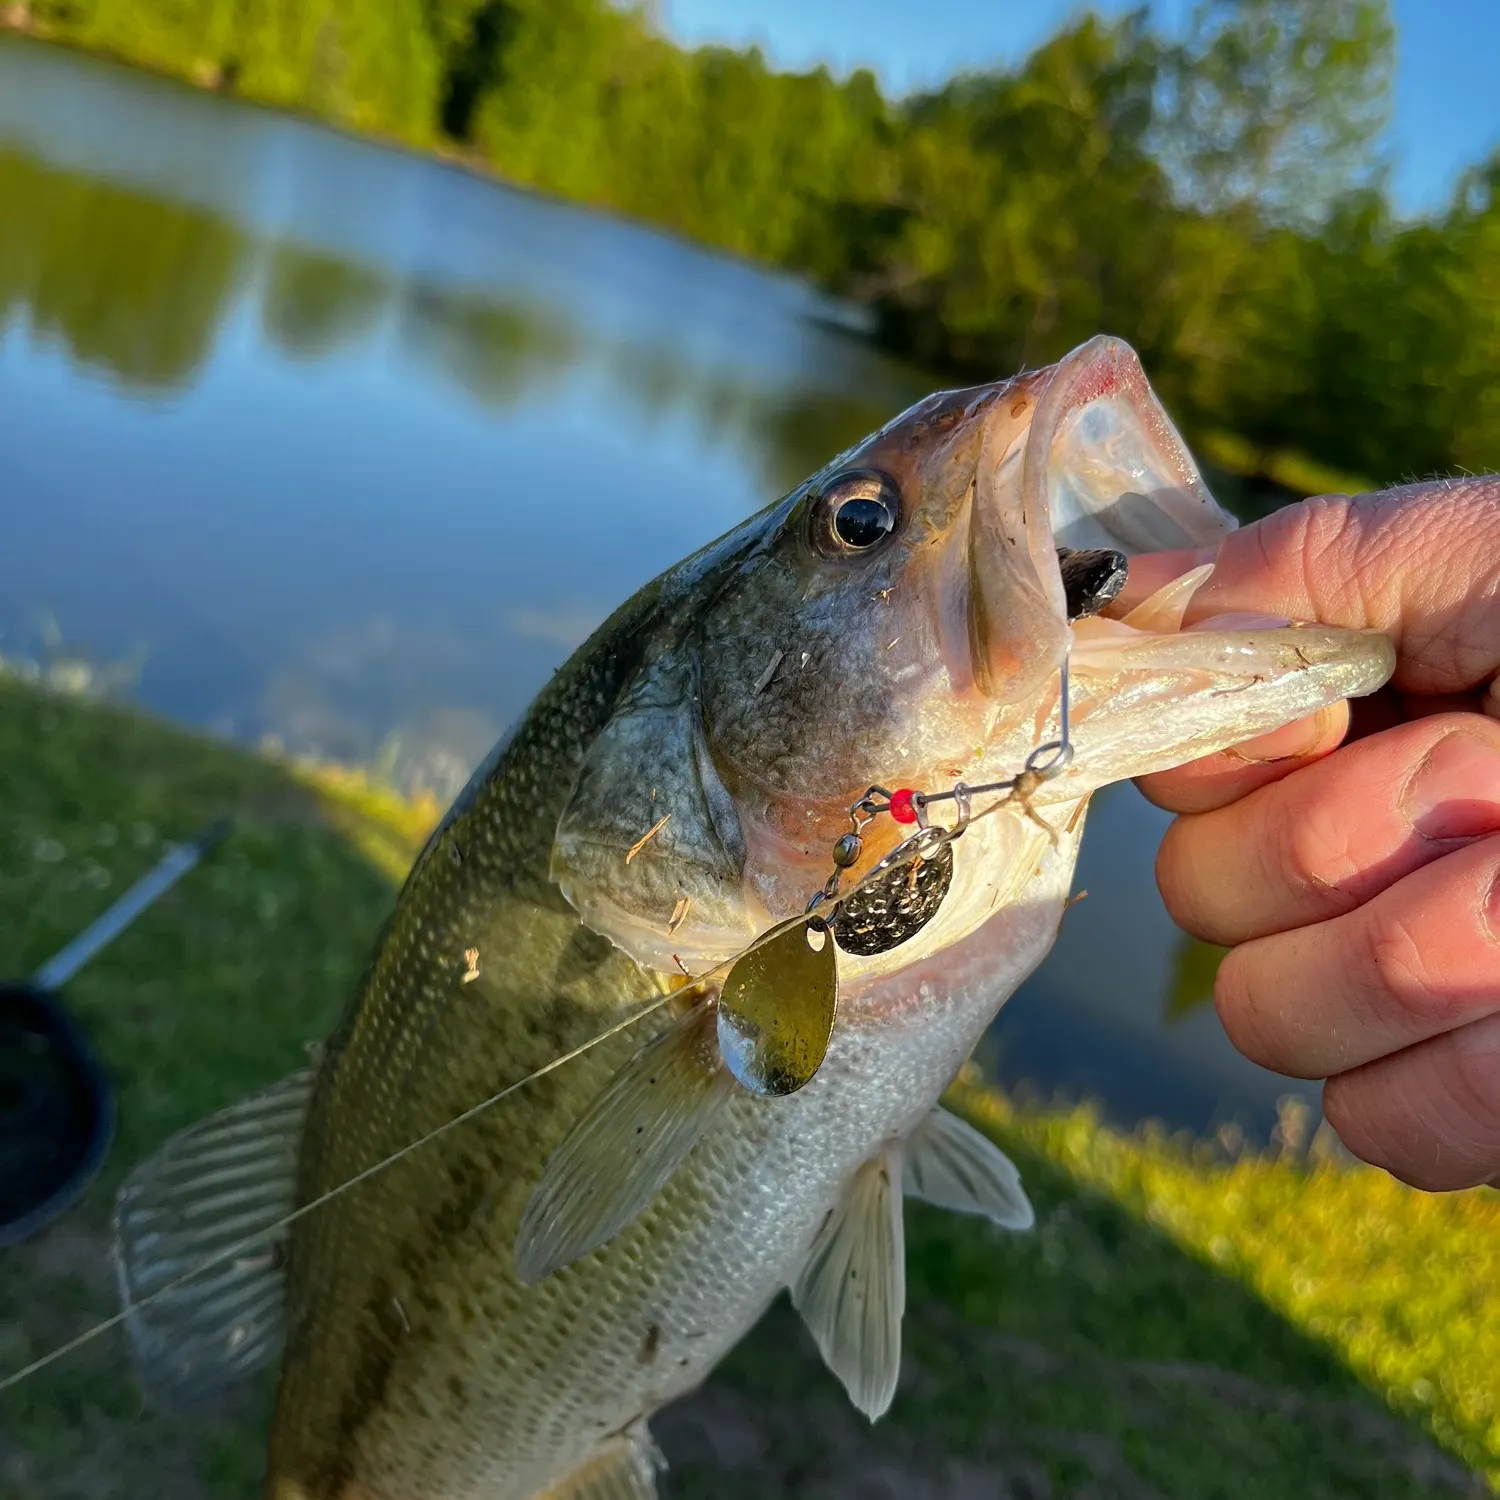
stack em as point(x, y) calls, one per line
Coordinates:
point(1081, 456)
point(779, 678)
point(1105, 464)
point(1097, 463)
point(1142, 702)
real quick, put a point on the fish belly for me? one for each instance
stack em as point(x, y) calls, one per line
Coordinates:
point(498, 1391)
point(418, 1365)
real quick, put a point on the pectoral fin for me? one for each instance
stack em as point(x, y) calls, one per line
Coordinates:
point(852, 1292)
point(626, 1469)
point(629, 1142)
point(217, 1184)
point(951, 1164)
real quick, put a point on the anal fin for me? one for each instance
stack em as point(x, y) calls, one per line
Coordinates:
point(625, 1469)
point(952, 1165)
point(852, 1292)
point(628, 1143)
point(213, 1186)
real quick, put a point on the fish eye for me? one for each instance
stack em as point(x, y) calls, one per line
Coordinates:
point(855, 511)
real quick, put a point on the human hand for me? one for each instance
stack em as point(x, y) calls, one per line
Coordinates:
point(1359, 886)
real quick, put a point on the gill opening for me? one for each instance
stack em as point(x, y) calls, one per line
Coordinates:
point(1042, 764)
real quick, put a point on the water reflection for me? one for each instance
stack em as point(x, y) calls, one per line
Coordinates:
point(314, 303)
point(355, 448)
point(128, 285)
point(498, 352)
point(210, 294)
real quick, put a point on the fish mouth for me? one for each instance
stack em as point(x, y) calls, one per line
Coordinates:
point(1104, 465)
point(1097, 464)
point(1147, 696)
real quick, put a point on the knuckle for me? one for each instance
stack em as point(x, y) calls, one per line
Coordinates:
point(1315, 861)
point(1416, 1114)
point(1371, 1132)
point(1342, 1108)
point(1179, 891)
point(1474, 1084)
point(1316, 537)
point(1191, 864)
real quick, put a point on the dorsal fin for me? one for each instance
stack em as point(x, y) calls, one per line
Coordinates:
point(951, 1164)
point(212, 1186)
point(852, 1292)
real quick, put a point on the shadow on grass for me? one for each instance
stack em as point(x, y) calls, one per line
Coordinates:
point(1091, 1358)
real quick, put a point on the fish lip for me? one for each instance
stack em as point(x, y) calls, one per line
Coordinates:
point(1176, 509)
point(1154, 702)
point(1084, 456)
point(1009, 570)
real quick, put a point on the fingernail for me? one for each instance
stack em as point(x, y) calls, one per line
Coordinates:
point(1299, 738)
point(1455, 792)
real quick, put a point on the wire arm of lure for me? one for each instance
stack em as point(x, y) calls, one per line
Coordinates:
point(910, 806)
point(926, 849)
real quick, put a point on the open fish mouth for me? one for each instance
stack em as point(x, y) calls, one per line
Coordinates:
point(1145, 699)
point(1100, 466)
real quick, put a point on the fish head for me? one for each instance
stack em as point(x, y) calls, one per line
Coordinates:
point(901, 619)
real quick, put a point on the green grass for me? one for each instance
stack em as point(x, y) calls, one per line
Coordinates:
point(1401, 1287)
point(1180, 1325)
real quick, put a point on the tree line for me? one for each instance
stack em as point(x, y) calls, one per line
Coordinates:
point(1216, 198)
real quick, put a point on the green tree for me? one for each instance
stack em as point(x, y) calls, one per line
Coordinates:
point(1276, 103)
point(1474, 227)
point(1216, 199)
point(1031, 213)
point(372, 64)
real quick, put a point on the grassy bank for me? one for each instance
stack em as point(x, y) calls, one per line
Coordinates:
point(1179, 1324)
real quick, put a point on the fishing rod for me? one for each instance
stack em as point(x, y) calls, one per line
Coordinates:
point(57, 1106)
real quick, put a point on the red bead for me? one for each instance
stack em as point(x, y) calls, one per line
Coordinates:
point(902, 809)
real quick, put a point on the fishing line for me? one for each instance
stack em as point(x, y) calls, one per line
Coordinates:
point(1042, 764)
point(1059, 753)
point(251, 1241)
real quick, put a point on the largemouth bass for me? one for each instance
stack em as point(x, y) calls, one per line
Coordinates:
point(495, 1314)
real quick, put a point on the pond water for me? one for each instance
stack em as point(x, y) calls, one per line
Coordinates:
point(312, 440)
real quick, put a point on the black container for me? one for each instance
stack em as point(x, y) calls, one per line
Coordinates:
point(57, 1111)
point(57, 1106)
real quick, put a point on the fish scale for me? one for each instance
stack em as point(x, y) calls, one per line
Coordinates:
point(494, 1314)
point(550, 1385)
point(415, 1019)
point(528, 1366)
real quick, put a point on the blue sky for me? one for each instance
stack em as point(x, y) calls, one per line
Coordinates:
point(1447, 70)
